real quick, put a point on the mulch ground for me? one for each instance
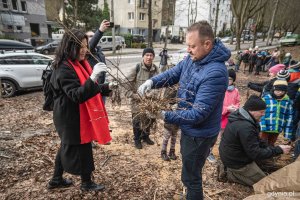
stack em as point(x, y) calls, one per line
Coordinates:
point(29, 144)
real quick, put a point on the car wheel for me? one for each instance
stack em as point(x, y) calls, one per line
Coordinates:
point(8, 88)
point(118, 47)
point(46, 52)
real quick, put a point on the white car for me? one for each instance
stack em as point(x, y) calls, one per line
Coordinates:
point(21, 71)
point(178, 56)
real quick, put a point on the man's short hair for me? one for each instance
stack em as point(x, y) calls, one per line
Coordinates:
point(204, 29)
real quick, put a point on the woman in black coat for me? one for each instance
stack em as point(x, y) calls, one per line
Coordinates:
point(79, 114)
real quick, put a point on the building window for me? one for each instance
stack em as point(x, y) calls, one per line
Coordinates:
point(130, 1)
point(19, 28)
point(142, 3)
point(14, 4)
point(141, 31)
point(4, 4)
point(130, 15)
point(10, 28)
point(23, 6)
point(142, 16)
point(35, 30)
point(130, 31)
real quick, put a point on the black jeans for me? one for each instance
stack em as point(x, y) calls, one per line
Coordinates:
point(194, 152)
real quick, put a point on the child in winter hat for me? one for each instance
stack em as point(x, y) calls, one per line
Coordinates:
point(275, 69)
point(279, 113)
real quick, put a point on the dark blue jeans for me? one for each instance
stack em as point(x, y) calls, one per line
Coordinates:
point(194, 152)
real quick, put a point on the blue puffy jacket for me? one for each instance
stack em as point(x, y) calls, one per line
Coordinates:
point(202, 86)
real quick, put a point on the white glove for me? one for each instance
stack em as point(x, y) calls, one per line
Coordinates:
point(98, 68)
point(145, 87)
point(113, 85)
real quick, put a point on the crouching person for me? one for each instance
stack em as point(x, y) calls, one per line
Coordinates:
point(241, 147)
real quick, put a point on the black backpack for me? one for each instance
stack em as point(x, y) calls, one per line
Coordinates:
point(48, 88)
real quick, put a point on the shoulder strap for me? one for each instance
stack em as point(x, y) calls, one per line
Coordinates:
point(138, 68)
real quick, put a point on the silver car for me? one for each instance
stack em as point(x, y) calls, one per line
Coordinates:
point(21, 71)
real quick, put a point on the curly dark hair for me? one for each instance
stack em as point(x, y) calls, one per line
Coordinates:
point(69, 46)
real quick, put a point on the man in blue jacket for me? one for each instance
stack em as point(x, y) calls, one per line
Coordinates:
point(203, 80)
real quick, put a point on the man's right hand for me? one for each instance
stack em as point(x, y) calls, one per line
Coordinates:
point(104, 25)
point(145, 87)
point(285, 148)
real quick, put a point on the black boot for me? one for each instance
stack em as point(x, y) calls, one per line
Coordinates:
point(59, 183)
point(164, 156)
point(138, 144)
point(172, 154)
point(91, 186)
point(148, 140)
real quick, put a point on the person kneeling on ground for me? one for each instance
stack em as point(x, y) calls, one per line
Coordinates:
point(241, 147)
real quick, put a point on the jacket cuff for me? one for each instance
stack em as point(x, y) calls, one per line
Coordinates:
point(278, 150)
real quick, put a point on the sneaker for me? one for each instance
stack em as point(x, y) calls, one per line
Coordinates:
point(164, 156)
point(63, 183)
point(138, 144)
point(148, 141)
point(91, 186)
point(211, 158)
point(172, 154)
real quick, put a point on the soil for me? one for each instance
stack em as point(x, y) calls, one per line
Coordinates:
point(29, 144)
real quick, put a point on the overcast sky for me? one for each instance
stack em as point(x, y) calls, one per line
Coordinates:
point(181, 12)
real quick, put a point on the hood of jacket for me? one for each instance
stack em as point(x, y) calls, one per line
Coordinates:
point(240, 115)
point(219, 53)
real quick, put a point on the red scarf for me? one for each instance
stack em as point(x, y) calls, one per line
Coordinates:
point(93, 116)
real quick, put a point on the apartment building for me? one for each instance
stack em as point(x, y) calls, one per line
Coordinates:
point(223, 7)
point(24, 21)
point(131, 16)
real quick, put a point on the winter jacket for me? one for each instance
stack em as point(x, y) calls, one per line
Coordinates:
point(278, 116)
point(240, 143)
point(137, 76)
point(202, 86)
point(245, 57)
point(69, 94)
point(231, 98)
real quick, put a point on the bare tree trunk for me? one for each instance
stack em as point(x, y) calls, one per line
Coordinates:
point(112, 18)
point(189, 8)
point(216, 19)
point(150, 23)
point(166, 38)
point(75, 13)
point(64, 13)
point(196, 11)
point(272, 21)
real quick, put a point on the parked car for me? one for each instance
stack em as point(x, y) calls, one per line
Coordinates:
point(21, 71)
point(178, 56)
point(13, 45)
point(106, 42)
point(138, 38)
point(48, 48)
point(226, 39)
point(291, 39)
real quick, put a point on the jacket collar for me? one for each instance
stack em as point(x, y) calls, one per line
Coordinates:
point(247, 115)
point(151, 69)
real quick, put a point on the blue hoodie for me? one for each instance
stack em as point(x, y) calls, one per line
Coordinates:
point(202, 86)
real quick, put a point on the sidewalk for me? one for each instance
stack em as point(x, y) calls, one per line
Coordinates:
point(175, 47)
